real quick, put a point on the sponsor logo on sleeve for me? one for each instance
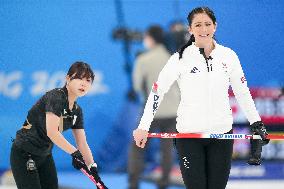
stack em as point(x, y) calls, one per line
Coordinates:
point(155, 104)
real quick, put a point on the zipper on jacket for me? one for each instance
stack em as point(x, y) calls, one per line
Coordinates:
point(209, 86)
point(209, 66)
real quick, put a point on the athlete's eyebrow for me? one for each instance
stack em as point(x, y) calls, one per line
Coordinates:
point(204, 22)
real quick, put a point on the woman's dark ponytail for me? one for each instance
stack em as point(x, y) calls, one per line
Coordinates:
point(191, 40)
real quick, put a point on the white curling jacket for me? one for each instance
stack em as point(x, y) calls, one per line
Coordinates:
point(204, 105)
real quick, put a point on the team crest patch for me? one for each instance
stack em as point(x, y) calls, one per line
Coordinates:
point(243, 79)
point(155, 88)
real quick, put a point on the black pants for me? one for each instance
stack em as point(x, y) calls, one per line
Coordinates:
point(136, 155)
point(205, 163)
point(45, 177)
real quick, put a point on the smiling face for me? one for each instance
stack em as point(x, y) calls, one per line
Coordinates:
point(203, 29)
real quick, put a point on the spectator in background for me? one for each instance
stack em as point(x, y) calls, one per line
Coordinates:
point(177, 36)
point(147, 68)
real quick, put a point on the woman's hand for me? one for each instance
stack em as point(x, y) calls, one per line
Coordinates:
point(140, 137)
point(77, 160)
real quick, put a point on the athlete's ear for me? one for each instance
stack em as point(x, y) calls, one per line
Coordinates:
point(189, 30)
point(215, 28)
point(67, 79)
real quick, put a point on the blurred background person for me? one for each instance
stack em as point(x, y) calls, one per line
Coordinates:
point(176, 37)
point(145, 73)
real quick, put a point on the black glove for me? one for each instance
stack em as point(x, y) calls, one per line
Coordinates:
point(255, 152)
point(77, 160)
point(257, 128)
point(94, 173)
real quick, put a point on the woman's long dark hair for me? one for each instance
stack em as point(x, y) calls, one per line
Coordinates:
point(190, 17)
